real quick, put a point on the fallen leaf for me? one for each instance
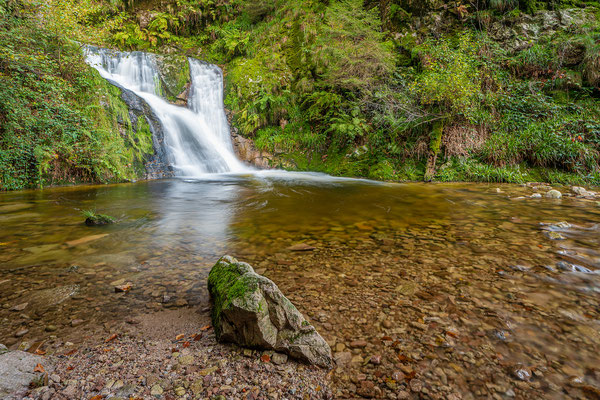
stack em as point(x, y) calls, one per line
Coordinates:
point(179, 337)
point(265, 358)
point(112, 337)
point(318, 388)
point(197, 337)
point(123, 288)
point(186, 344)
point(387, 339)
point(70, 352)
point(97, 397)
point(70, 368)
point(450, 333)
point(205, 328)
point(108, 349)
point(410, 376)
point(402, 357)
point(39, 368)
point(39, 352)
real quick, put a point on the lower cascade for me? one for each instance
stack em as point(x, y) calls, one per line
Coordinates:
point(196, 137)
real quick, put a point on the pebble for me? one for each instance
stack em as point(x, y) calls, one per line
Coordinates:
point(156, 390)
point(279, 358)
point(21, 333)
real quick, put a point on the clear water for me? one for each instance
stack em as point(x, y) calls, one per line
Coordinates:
point(452, 277)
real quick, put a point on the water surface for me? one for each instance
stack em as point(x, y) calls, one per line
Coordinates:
point(458, 287)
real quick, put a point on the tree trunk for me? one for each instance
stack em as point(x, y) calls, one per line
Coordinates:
point(435, 145)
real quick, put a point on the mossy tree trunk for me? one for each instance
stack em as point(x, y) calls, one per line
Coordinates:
point(435, 145)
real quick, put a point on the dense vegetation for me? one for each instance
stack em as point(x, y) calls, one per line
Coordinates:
point(59, 121)
point(489, 90)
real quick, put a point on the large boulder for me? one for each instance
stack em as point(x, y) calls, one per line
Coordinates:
point(18, 373)
point(250, 310)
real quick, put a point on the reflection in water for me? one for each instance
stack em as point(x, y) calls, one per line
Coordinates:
point(459, 274)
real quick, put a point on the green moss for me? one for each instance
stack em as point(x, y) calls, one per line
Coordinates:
point(94, 219)
point(227, 282)
point(174, 72)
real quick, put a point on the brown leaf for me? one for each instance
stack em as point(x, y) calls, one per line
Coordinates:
point(197, 337)
point(39, 368)
point(386, 339)
point(205, 328)
point(265, 358)
point(70, 368)
point(179, 337)
point(39, 352)
point(111, 337)
point(402, 357)
point(97, 397)
point(410, 376)
point(186, 344)
point(123, 288)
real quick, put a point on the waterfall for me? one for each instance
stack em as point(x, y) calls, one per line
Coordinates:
point(196, 138)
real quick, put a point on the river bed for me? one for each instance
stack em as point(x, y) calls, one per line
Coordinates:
point(431, 290)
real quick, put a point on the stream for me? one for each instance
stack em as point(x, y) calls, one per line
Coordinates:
point(456, 289)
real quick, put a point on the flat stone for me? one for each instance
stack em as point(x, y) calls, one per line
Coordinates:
point(85, 240)
point(186, 360)
point(301, 247)
point(19, 307)
point(21, 333)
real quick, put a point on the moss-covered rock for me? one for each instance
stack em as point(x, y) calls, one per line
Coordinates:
point(174, 73)
point(250, 310)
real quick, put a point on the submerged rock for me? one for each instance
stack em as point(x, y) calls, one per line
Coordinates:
point(250, 310)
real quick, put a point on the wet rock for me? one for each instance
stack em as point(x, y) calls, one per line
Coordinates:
point(301, 247)
point(536, 196)
point(522, 373)
point(76, 322)
point(343, 358)
point(375, 359)
point(3, 349)
point(250, 310)
point(19, 307)
point(124, 287)
point(17, 373)
point(21, 333)
point(554, 194)
point(579, 191)
point(552, 235)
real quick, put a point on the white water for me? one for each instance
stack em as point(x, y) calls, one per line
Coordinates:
point(197, 138)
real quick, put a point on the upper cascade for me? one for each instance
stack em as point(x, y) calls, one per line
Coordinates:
point(197, 138)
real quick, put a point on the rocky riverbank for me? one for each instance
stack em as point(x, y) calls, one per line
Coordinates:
point(172, 354)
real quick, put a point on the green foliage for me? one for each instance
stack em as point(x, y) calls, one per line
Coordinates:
point(53, 127)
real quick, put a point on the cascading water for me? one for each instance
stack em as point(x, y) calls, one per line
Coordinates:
point(197, 138)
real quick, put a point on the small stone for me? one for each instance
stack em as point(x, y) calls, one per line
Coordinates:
point(554, 194)
point(339, 347)
point(343, 358)
point(51, 328)
point(186, 360)
point(301, 247)
point(366, 389)
point(279, 358)
point(522, 373)
point(554, 235)
point(536, 196)
point(416, 385)
point(124, 287)
point(375, 359)
point(21, 333)
point(402, 395)
point(398, 376)
point(156, 390)
point(55, 378)
point(387, 324)
point(19, 307)
point(180, 391)
point(358, 344)
point(3, 349)
point(76, 322)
